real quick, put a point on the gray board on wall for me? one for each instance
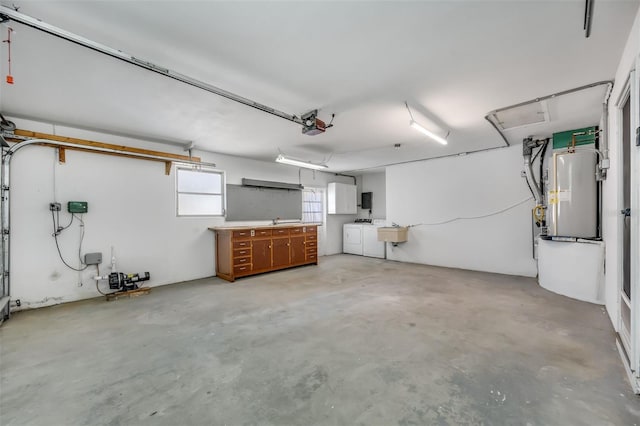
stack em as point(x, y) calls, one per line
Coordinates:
point(251, 203)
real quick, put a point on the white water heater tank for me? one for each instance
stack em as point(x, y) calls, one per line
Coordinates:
point(572, 207)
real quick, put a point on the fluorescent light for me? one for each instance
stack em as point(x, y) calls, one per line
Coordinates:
point(429, 133)
point(292, 162)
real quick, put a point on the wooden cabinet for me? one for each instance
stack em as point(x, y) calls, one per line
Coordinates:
point(311, 244)
point(247, 251)
point(280, 255)
point(261, 260)
point(298, 250)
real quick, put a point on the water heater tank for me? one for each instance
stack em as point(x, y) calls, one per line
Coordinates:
point(572, 194)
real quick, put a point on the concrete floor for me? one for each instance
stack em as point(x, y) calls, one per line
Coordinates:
point(352, 341)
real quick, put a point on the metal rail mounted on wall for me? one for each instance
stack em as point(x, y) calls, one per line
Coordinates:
point(5, 218)
point(9, 14)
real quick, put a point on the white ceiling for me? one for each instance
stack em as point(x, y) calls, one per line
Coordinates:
point(452, 61)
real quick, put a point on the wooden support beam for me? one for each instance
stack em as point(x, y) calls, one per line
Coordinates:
point(83, 145)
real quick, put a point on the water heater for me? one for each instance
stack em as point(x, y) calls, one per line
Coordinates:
point(572, 190)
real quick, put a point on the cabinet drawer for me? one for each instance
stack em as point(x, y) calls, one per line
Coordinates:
point(312, 250)
point(263, 233)
point(295, 231)
point(241, 244)
point(311, 229)
point(245, 233)
point(312, 237)
point(243, 269)
point(242, 260)
point(242, 252)
point(280, 232)
point(310, 244)
point(312, 256)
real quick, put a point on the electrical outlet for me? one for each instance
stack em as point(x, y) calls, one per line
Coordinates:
point(93, 258)
point(55, 207)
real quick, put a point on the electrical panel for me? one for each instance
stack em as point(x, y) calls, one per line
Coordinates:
point(77, 206)
point(366, 200)
point(93, 258)
point(577, 137)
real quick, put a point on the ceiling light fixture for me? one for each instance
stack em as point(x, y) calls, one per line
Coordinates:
point(293, 162)
point(429, 133)
point(413, 123)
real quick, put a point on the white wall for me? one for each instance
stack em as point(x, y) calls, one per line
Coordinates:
point(612, 201)
point(131, 207)
point(375, 183)
point(471, 185)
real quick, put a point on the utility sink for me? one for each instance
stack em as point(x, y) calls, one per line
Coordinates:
point(393, 234)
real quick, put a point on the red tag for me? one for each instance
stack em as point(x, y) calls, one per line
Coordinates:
point(10, 79)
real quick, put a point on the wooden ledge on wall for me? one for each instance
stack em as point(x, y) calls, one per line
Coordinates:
point(84, 145)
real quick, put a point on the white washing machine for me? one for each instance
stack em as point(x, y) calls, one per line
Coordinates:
point(362, 238)
point(352, 238)
point(370, 245)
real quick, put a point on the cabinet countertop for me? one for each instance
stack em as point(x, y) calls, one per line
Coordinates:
point(281, 225)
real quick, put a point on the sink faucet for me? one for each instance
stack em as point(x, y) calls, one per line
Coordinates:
point(275, 221)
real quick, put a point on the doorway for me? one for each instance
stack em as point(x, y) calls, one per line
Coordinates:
point(625, 289)
point(628, 297)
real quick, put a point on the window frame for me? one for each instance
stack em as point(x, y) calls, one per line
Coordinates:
point(222, 193)
point(322, 203)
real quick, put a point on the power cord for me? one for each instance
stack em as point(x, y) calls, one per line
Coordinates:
point(81, 237)
point(474, 217)
point(57, 229)
point(330, 122)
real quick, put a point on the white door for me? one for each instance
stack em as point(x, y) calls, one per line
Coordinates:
point(628, 297)
point(634, 184)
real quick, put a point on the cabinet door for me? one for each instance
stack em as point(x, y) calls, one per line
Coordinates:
point(261, 255)
point(297, 250)
point(281, 252)
point(350, 199)
point(341, 198)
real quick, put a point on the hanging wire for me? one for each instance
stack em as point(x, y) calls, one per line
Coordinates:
point(414, 120)
point(408, 109)
point(474, 217)
point(331, 122)
point(81, 237)
point(56, 231)
point(326, 160)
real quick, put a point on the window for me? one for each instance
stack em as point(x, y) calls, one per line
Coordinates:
point(199, 192)
point(312, 206)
